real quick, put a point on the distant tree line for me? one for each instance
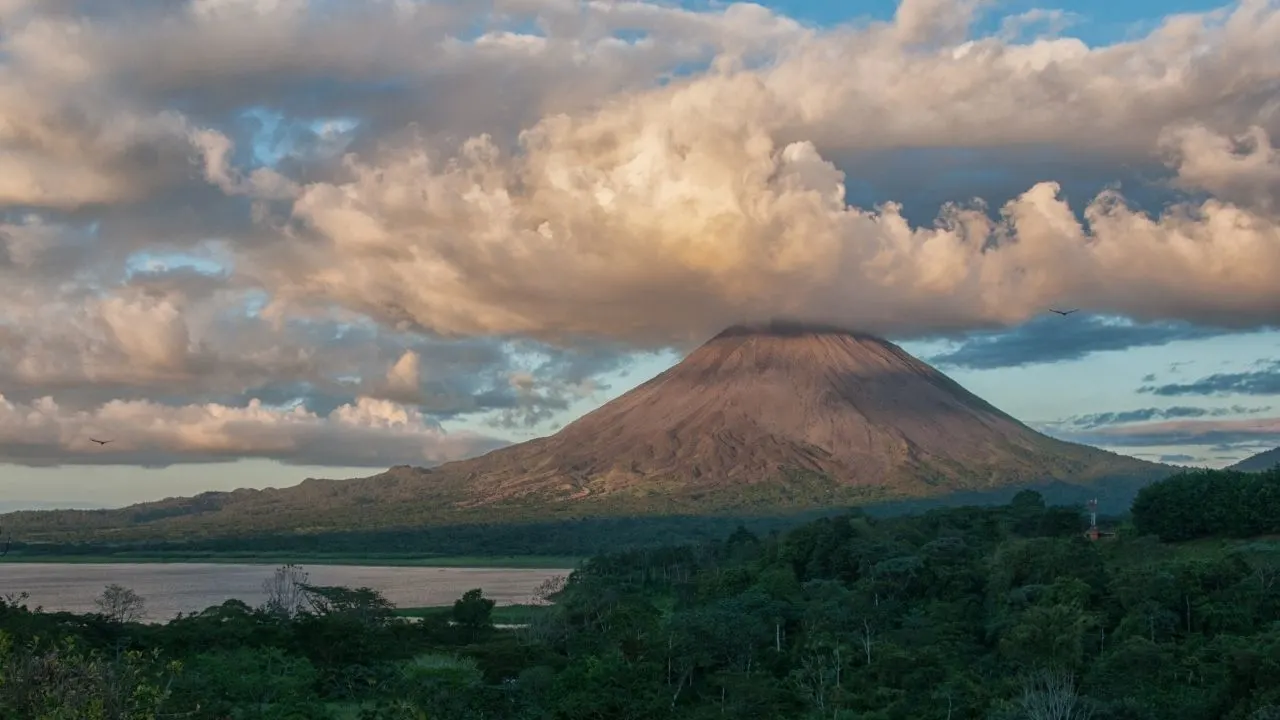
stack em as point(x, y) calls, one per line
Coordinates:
point(1209, 503)
point(573, 537)
point(578, 537)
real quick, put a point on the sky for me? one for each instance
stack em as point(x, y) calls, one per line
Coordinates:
point(254, 241)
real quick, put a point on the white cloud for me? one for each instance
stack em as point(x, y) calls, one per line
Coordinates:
point(1244, 169)
point(627, 172)
point(406, 375)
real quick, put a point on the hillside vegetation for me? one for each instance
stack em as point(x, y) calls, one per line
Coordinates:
point(1265, 460)
point(1001, 613)
point(1206, 503)
point(68, 535)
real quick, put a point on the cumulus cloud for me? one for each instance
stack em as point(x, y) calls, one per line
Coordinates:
point(664, 214)
point(368, 432)
point(471, 210)
point(1244, 169)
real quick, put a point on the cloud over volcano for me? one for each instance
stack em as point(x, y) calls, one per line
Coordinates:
point(223, 200)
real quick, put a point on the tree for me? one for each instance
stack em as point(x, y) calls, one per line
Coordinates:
point(473, 611)
point(120, 604)
point(548, 590)
point(247, 682)
point(343, 628)
point(286, 591)
point(1051, 695)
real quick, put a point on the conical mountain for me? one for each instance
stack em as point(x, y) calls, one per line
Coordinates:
point(761, 420)
point(759, 408)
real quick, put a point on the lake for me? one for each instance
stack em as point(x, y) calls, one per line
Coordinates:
point(170, 588)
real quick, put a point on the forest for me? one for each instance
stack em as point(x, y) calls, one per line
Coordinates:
point(78, 535)
point(999, 613)
point(1208, 503)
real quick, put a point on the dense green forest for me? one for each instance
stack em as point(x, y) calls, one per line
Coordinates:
point(1209, 503)
point(999, 613)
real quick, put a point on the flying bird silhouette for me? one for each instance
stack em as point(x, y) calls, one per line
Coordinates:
point(1064, 313)
point(100, 442)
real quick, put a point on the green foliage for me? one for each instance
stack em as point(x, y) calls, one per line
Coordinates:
point(1206, 503)
point(64, 681)
point(996, 613)
point(317, 523)
point(474, 611)
point(257, 683)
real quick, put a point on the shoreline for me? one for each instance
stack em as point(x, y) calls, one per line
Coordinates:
point(502, 562)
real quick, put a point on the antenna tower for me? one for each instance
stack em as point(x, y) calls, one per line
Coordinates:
point(1093, 533)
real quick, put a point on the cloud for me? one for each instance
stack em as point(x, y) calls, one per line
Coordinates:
point(1178, 426)
point(175, 336)
point(710, 199)
point(1264, 381)
point(368, 432)
point(474, 210)
point(1055, 339)
point(1097, 420)
point(1243, 169)
point(1264, 431)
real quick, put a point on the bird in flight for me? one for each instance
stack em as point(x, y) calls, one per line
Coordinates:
point(1064, 313)
point(100, 442)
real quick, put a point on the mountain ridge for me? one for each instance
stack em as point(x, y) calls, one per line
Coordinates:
point(1260, 462)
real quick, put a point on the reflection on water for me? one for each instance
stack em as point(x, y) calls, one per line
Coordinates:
point(171, 588)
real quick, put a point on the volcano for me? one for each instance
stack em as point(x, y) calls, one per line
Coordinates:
point(764, 419)
point(782, 404)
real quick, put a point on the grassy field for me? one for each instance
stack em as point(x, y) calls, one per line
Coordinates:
point(372, 560)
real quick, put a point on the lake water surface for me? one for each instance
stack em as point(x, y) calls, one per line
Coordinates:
point(170, 588)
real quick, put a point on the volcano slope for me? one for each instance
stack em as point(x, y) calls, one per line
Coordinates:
point(765, 419)
point(787, 413)
point(1259, 463)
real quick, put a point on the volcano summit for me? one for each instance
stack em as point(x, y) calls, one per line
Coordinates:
point(779, 403)
point(764, 419)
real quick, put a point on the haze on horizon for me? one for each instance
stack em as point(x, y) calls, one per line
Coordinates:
point(256, 240)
